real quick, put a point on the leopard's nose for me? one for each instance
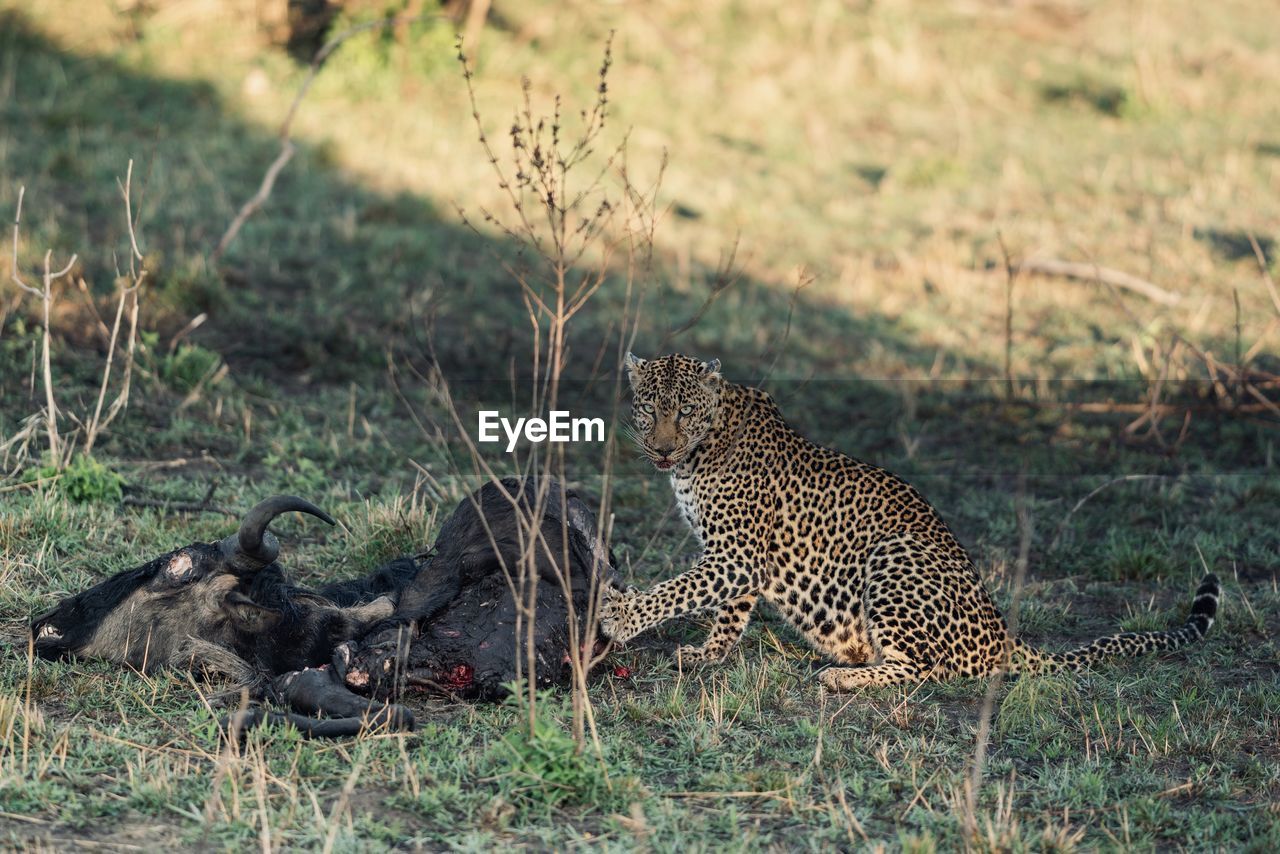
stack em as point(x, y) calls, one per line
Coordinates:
point(664, 448)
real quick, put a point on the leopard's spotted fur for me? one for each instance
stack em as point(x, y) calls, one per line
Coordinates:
point(852, 556)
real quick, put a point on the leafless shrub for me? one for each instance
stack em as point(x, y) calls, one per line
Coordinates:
point(61, 448)
point(1185, 379)
point(576, 219)
point(45, 295)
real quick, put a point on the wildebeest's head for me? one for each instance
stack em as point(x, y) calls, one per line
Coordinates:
point(195, 602)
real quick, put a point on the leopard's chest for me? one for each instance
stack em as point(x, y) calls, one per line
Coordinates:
point(688, 504)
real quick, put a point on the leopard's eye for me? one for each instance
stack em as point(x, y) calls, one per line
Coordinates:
point(687, 409)
point(646, 408)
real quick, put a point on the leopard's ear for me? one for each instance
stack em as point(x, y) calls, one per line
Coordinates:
point(634, 365)
point(711, 369)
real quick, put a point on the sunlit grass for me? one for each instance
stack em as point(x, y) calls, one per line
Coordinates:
point(872, 151)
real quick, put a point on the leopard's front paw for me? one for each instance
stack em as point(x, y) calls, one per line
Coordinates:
point(617, 617)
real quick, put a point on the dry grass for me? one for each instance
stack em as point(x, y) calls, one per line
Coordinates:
point(874, 153)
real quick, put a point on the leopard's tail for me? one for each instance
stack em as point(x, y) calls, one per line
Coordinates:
point(1204, 606)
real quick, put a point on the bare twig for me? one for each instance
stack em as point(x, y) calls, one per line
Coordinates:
point(1164, 409)
point(803, 280)
point(1153, 414)
point(128, 293)
point(978, 763)
point(1010, 279)
point(257, 200)
point(14, 273)
point(1128, 478)
point(1266, 272)
point(287, 146)
point(477, 12)
point(726, 276)
point(46, 299)
point(1093, 273)
point(553, 218)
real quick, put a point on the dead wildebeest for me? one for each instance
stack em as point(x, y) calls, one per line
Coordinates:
point(227, 609)
point(457, 629)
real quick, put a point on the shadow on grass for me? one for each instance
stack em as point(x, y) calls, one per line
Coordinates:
point(330, 277)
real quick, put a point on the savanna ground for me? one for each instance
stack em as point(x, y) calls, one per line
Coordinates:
point(866, 160)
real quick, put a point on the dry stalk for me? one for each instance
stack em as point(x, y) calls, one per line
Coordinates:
point(477, 12)
point(803, 280)
point(1089, 272)
point(45, 295)
point(62, 448)
point(728, 273)
point(978, 762)
point(128, 295)
point(558, 220)
point(1265, 270)
point(1011, 271)
point(287, 146)
point(1066, 520)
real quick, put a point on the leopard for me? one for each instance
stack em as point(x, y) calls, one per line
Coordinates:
point(850, 554)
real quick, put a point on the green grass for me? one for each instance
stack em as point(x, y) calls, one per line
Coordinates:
point(877, 151)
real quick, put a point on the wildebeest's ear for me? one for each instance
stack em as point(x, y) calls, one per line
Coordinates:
point(634, 365)
point(711, 369)
point(247, 614)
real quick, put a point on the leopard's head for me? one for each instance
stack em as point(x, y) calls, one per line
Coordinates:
point(673, 403)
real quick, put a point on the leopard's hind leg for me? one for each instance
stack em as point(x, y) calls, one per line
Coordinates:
point(872, 675)
point(904, 610)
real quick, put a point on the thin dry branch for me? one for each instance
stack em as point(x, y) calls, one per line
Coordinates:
point(726, 276)
point(46, 298)
point(1266, 273)
point(977, 765)
point(97, 423)
point(803, 280)
point(1086, 272)
point(287, 146)
point(1066, 520)
point(1011, 271)
point(1164, 409)
point(257, 200)
point(553, 218)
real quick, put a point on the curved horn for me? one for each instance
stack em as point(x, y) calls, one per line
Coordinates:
point(253, 544)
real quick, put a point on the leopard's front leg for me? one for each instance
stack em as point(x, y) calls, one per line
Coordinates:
point(730, 622)
point(712, 583)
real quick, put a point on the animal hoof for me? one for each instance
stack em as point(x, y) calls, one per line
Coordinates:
point(343, 655)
